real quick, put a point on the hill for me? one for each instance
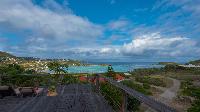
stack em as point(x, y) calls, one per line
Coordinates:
point(5, 54)
point(167, 63)
point(196, 62)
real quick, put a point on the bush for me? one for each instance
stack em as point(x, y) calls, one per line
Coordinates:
point(137, 87)
point(133, 104)
point(114, 97)
point(146, 86)
point(151, 80)
point(195, 107)
point(112, 94)
point(69, 79)
point(190, 90)
point(25, 80)
point(146, 71)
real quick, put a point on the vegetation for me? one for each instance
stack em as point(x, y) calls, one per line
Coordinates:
point(168, 69)
point(146, 86)
point(196, 62)
point(25, 80)
point(36, 64)
point(167, 63)
point(5, 54)
point(147, 71)
point(114, 97)
point(195, 106)
point(11, 69)
point(141, 88)
point(157, 81)
point(110, 71)
point(69, 79)
point(57, 67)
point(189, 90)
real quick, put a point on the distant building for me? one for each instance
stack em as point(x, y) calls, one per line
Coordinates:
point(127, 74)
point(190, 66)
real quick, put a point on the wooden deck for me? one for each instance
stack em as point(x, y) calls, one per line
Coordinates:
point(72, 98)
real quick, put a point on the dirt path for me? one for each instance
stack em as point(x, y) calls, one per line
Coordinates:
point(170, 93)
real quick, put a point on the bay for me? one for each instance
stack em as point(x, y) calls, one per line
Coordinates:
point(117, 66)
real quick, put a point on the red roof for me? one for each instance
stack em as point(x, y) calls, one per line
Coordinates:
point(82, 78)
point(119, 77)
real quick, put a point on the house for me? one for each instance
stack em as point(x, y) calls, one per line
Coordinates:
point(119, 78)
point(82, 78)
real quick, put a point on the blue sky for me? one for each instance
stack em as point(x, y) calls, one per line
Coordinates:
point(118, 30)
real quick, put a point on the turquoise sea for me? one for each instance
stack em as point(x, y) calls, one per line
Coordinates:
point(117, 66)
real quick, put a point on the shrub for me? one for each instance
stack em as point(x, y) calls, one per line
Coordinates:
point(151, 80)
point(112, 94)
point(114, 97)
point(137, 87)
point(195, 107)
point(146, 86)
point(68, 79)
point(25, 80)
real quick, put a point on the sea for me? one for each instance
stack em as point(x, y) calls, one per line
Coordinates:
point(97, 67)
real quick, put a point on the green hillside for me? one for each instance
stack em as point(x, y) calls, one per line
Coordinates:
point(5, 54)
point(196, 62)
point(167, 63)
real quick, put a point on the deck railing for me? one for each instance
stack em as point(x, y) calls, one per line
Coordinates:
point(126, 91)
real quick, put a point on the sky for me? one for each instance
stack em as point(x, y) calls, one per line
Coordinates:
point(101, 30)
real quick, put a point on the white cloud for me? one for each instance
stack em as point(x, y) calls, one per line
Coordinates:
point(151, 45)
point(118, 24)
point(52, 30)
point(154, 44)
point(45, 23)
point(43, 30)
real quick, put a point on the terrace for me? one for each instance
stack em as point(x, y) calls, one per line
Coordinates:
point(80, 97)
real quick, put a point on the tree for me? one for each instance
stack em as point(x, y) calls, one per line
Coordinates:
point(110, 71)
point(10, 70)
point(14, 69)
point(2, 73)
point(30, 71)
point(57, 67)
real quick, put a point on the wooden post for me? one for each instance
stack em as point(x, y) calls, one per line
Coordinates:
point(124, 102)
point(0, 79)
point(87, 77)
point(97, 83)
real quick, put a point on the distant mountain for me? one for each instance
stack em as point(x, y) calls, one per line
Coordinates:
point(196, 62)
point(167, 63)
point(5, 54)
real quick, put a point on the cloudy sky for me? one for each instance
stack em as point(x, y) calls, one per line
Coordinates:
point(119, 30)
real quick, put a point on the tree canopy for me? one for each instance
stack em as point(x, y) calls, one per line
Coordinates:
point(57, 67)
